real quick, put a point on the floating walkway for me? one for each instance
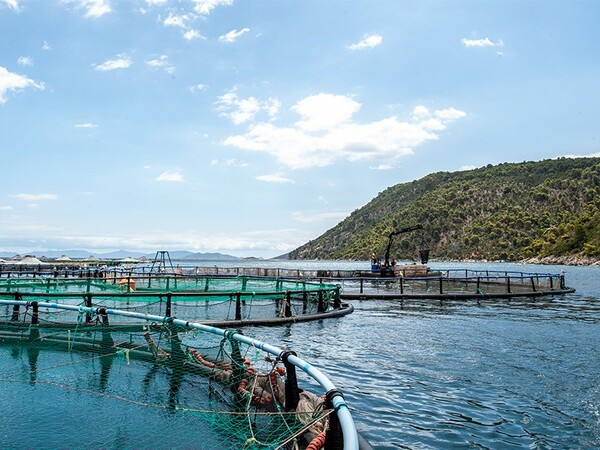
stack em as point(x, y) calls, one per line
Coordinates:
point(218, 301)
point(456, 284)
point(442, 284)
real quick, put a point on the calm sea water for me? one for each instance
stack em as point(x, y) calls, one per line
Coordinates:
point(496, 374)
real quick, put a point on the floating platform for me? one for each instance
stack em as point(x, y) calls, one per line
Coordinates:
point(214, 300)
point(310, 287)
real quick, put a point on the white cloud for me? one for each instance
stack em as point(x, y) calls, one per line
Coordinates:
point(238, 110)
point(371, 41)
point(318, 217)
point(93, 8)
point(10, 81)
point(35, 197)
point(436, 120)
point(176, 20)
point(272, 107)
point(6, 208)
point(122, 61)
point(486, 42)
point(467, 167)
point(327, 134)
point(190, 35)
point(274, 179)
point(25, 61)
point(198, 88)
point(46, 47)
point(162, 62)
point(86, 125)
point(264, 241)
point(11, 4)
point(156, 2)
point(450, 114)
point(206, 6)
point(420, 112)
point(231, 162)
point(233, 35)
point(382, 166)
point(324, 111)
point(173, 176)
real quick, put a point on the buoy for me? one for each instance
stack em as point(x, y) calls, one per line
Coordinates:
point(129, 282)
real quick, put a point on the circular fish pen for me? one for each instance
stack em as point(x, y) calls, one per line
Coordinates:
point(160, 382)
point(455, 284)
point(215, 300)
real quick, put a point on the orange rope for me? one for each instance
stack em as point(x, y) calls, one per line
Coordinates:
point(317, 443)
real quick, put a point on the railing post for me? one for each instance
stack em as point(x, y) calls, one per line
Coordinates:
point(15, 311)
point(361, 285)
point(35, 313)
point(441, 286)
point(551, 282)
point(292, 393)
point(103, 316)
point(401, 285)
point(168, 307)
point(533, 284)
point(238, 306)
point(88, 303)
point(321, 306)
point(508, 284)
point(337, 302)
point(288, 304)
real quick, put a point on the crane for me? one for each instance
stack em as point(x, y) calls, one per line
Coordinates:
point(386, 269)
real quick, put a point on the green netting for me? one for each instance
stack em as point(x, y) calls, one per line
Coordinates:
point(197, 298)
point(153, 284)
point(157, 386)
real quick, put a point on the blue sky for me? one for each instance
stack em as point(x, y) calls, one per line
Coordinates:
point(250, 127)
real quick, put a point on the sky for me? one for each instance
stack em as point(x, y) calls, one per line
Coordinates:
point(251, 127)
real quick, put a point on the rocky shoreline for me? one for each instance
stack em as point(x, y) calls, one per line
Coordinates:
point(572, 260)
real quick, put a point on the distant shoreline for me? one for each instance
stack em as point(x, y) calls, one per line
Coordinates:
point(572, 260)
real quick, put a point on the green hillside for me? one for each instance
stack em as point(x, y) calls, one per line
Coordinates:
point(504, 212)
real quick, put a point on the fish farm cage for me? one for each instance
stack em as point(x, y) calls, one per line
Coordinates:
point(157, 382)
point(215, 300)
point(454, 284)
point(410, 284)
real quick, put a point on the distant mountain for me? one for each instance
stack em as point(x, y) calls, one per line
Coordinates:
point(120, 254)
point(505, 212)
point(209, 257)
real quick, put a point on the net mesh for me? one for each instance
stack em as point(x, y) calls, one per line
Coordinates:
point(197, 298)
point(155, 385)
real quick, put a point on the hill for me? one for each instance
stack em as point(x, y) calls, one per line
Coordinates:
point(508, 212)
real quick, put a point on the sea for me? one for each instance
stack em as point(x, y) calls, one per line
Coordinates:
point(488, 374)
point(494, 374)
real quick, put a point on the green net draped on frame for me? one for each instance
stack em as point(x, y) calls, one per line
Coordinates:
point(198, 298)
point(154, 386)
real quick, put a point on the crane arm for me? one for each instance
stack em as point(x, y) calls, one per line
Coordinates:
point(386, 261)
